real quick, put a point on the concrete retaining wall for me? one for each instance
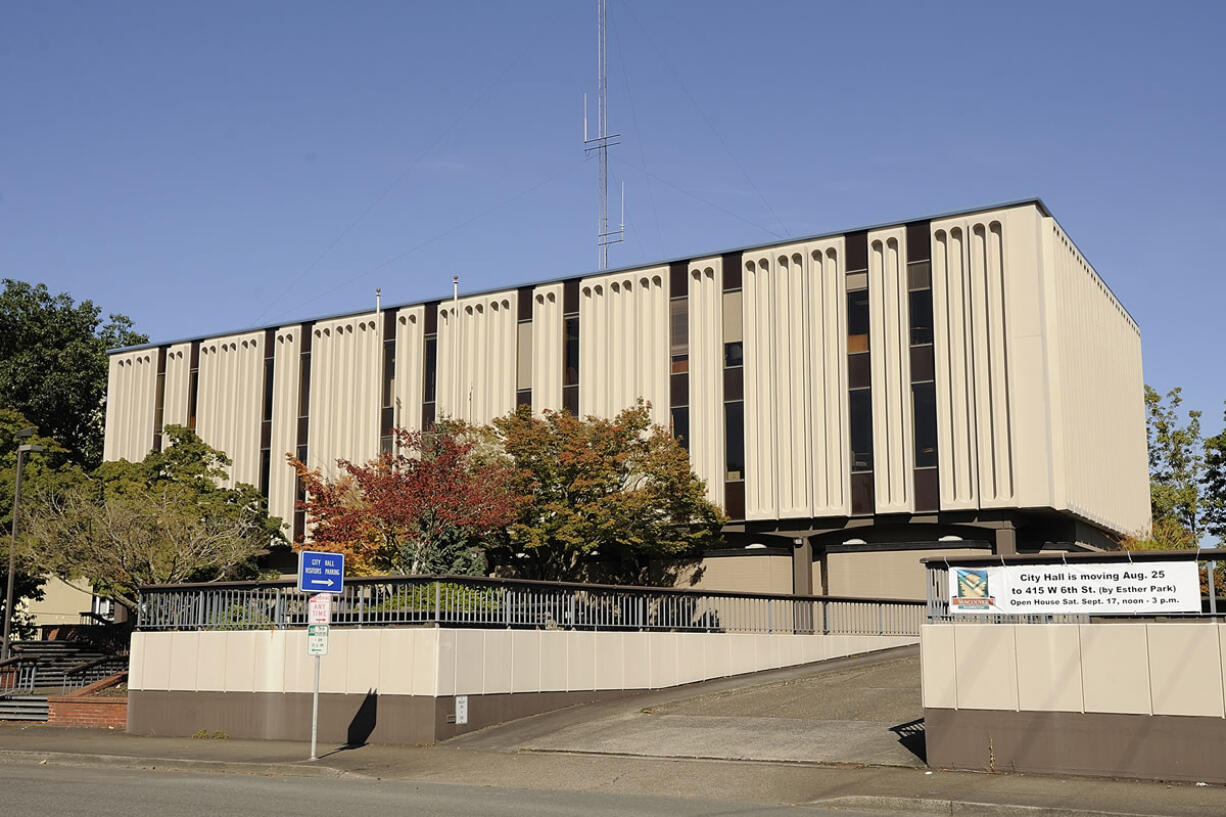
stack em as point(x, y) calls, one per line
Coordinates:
point(256, 683)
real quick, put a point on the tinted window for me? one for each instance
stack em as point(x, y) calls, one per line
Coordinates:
point(921, 316)
point(861, 430)
point(734, 433)
point(924, 399)
point(857, 321)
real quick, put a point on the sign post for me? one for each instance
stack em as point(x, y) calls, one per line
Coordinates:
point(323, 575)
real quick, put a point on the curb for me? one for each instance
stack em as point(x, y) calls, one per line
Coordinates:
point(178, 764)
point(955, 808)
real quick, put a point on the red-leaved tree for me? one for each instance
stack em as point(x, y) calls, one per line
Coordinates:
point(429, 507)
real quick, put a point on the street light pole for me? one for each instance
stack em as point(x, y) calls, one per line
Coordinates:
point(24, 434)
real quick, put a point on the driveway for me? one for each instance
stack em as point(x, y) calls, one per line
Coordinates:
point(858, 711)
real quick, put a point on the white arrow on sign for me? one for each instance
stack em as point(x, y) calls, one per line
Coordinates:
point(328, 582)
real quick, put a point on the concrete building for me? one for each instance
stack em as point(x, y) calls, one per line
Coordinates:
point(855, 400)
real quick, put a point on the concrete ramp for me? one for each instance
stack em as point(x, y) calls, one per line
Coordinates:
point(860, 711)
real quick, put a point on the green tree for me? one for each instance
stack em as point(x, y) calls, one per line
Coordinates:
point(43, 471)
point(1175, 461)
point(619, 489)
point(53, 365)
point(165, 519)
point(1214, 482)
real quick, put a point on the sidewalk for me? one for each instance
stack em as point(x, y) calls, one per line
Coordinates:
point(823, 734)
point(887, 789)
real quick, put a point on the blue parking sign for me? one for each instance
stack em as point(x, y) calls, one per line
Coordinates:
point(321, 572)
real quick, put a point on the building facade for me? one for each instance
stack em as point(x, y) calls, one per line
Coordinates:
point(959, 383)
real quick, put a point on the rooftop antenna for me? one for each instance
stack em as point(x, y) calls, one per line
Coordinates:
point(378, 299)
point(601, 143)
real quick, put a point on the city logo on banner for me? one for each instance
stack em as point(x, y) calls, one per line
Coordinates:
point(973, 591)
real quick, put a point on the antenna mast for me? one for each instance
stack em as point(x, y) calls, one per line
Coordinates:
point(602, 142)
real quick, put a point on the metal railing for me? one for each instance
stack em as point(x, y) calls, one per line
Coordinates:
point(456, 601)
point(1211, 565)
point(17, 677)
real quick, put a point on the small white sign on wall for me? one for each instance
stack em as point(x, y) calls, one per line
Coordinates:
point(461, 710)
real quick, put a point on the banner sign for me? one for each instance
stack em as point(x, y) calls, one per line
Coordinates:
point(1095, 589)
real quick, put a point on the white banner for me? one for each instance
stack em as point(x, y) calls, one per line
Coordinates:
point(1095, 589)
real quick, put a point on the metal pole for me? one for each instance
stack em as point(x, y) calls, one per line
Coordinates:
point(315, 711)
point(8, 593)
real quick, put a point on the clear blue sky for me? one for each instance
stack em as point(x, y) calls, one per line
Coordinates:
point(209, 166)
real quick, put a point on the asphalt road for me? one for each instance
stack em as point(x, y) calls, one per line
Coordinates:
point(91, 792)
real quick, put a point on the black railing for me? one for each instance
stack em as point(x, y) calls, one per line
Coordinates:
point(460, 601)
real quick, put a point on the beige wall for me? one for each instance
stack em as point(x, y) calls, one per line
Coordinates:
point(130, 397)
point(1131, 667)
point(742, 574)
point(891, 574)
point(624, 342)
point(976, 427)
point(547, 351)
point(1097, 393)
point(230, 402)
point(410, 367)
point(434, 662)
point(476, 356)
point(287, 352)
point(1038, 373)
point(178, 382)
point(346, 386)
point(890, 342)
point(796, 442)
point(62, 603)
point(706, 374)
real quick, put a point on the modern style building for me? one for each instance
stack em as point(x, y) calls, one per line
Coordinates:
point(854, 400)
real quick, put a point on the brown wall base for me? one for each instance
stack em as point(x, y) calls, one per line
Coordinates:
point(349, 719)
point(1162, 747)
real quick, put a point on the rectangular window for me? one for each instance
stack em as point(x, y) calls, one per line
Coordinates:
point(385, 444)
point(268, 373)
point(681, 426)
point(734, 354)
point(193, 391)
point(859, 371)
point(523, 397)
point(921, 364)
point(265, 466)
point(855, 249)
point(919, 275)
point(734, 434)
point(159, 407)
point(927, 489)
point(857, 321)
point(679, 324)
point(304, 384)
point(921, 316)
point(570, 399)
point(862, 500)
point(679, 390)
point(389, 372)
point(523, 368)
point(731, 265)
point(430, 386)
point(861, 422)
point(923, 397)
point(570, 375)
point(734, 500)
point(734, 383)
